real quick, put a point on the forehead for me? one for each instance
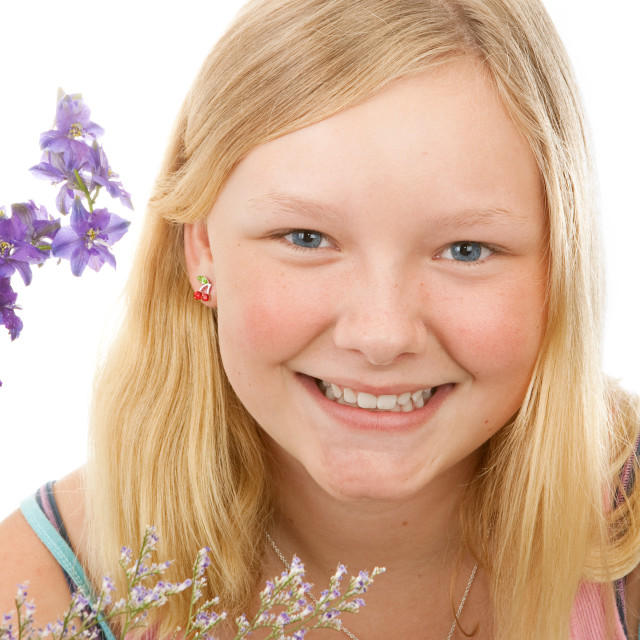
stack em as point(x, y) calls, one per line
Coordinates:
point(442, 135)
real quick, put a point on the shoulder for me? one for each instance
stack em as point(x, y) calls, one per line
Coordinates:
point(24, 559)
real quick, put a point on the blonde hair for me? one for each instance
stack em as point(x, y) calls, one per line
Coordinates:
point(173, 445)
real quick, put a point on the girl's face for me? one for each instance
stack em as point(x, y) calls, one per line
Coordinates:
point(395, 248)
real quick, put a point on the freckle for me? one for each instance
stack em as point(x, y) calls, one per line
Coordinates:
point(405, 523)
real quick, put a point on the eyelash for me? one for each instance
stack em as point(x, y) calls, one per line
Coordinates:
point(483, 247)
point(480, 260)
point(284, 237)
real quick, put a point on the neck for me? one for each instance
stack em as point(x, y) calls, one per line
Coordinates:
point(417, 533)
point(417, 539)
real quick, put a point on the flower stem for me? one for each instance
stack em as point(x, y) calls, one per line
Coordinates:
point(193, 601)
point(83, 188)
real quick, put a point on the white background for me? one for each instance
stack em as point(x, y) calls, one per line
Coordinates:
point(134, 62)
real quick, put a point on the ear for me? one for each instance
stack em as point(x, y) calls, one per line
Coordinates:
point(198, 258)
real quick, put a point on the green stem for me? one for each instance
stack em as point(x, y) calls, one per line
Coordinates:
point(21, 624)
point(66, 621)
point(264, 606)
point(83, 188)
point(193, 600)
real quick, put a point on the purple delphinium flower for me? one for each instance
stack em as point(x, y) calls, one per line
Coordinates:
point(8, 318)
point(41, 227)
point(73, 127)
point(16, 252)
point(86, 241)
point(73, 158)
point(62, 167)
point(105, 177)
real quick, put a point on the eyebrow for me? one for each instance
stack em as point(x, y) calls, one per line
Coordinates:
point(454, 221)
point(479, 216)
point(290, 203)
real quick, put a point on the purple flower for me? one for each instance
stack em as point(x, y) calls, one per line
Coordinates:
point(8, 318)
point(73, 126)
point(21, 596)
point(283, 619)
point(62, 167)
point(107, 585)
point(86, 241)
point(330, 615)
point(362, 581)
point(126, 555)
point(105, 177)
point(16, 252)
point(41, 227)
point(202, 562)
point(79, 603)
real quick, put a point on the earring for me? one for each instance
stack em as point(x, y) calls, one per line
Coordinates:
point(205, 289)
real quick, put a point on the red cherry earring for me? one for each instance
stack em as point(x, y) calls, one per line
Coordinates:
point(204, 291)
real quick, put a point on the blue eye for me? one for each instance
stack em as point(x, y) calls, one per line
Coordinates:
point(466, 251)
point(306, 239)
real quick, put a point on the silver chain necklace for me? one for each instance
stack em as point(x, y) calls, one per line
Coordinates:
point(345, 630)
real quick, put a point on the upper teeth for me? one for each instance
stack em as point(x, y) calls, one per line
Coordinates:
point(407, 401)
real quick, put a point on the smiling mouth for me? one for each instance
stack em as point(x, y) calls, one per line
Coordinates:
point(404, 403)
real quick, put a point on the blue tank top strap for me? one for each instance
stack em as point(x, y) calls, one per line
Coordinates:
point(61, 551)
point(46, 502)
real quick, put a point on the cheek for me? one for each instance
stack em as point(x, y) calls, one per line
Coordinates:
point(265, 318)
point(495, 333)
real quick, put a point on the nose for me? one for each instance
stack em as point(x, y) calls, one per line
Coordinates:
point(381, 318)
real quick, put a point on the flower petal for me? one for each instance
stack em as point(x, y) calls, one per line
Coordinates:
point(28, 253)
point(79, 259)
point(47, 171)
point(105, 256)
point(11, 321)
point(6, 268)
point(65, 243)
point(117, 228)
point(100, 219)
point(24, 270)
point(7, 295)
point(79, 218)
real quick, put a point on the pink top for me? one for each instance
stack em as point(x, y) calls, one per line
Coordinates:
point(588, 615)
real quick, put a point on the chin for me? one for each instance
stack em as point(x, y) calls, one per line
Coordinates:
point(370, 485)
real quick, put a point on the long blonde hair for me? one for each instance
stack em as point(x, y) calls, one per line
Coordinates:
point(173, 445)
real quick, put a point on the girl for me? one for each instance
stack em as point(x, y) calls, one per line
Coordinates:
point(394, 359)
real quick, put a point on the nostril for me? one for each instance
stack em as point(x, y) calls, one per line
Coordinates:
point(381, 337)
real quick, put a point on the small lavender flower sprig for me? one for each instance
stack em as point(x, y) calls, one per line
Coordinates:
point(284, 606)
point(291, 593)
point(73, 158)
point(80, 621)
point(140, 597)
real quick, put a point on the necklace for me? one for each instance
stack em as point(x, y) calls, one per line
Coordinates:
point(345, 630)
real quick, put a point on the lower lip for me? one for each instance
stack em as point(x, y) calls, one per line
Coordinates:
point(387, 421)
